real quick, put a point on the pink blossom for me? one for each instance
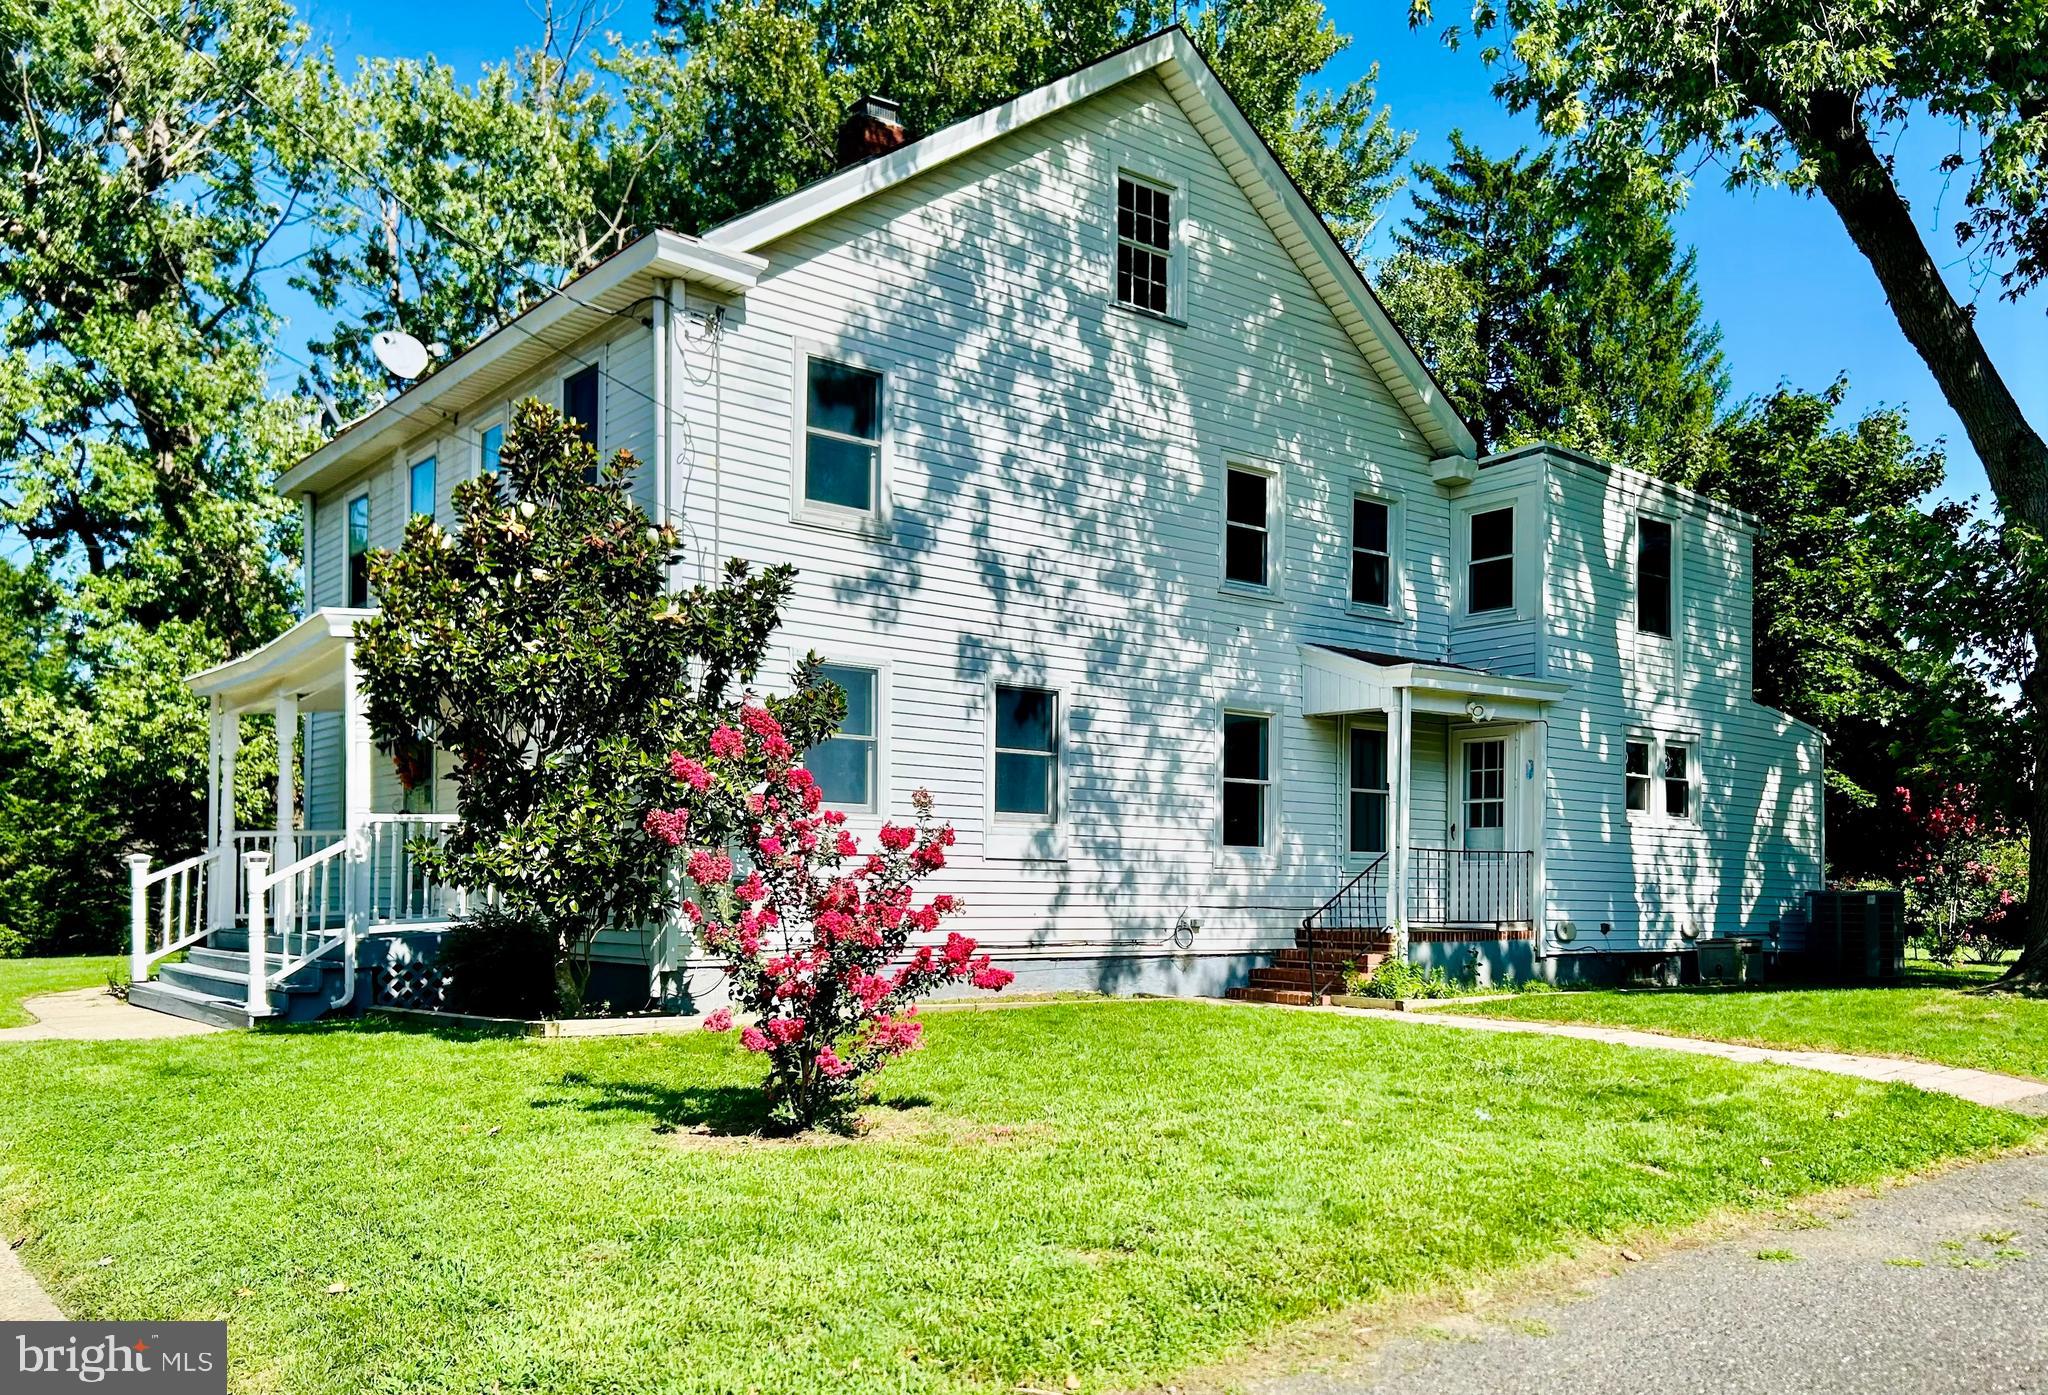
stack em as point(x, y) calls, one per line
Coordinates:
point(771, 846)
point(708, 868)
point(690, 772)
point(990, 977)
point(728, 742)
point(929, 858)
point(668, 826)
point(831, 1067)
point(777, 749)
point(760, 721)
point(896, 838)
point(719, 1021)
point(785, 1029)
point(752, 889)
point(754, 1039)
point(847, 845)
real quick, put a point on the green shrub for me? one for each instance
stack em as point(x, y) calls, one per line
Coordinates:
point(1397, 978)
point(502, 964)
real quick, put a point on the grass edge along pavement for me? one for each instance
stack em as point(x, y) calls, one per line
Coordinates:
point(1116, 1192)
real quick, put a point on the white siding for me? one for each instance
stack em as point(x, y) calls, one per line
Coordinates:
point(1755, 846)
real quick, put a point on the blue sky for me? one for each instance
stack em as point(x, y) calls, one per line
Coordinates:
point(1795, 301)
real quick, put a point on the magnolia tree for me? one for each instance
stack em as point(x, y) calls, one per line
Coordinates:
point(1966, 876)
point(816, 934)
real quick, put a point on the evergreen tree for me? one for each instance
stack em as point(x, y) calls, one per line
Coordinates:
point(1554, 310)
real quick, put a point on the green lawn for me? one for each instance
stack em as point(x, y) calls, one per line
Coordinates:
point(26, 978)
point(1932, 1017)
point(1113, 1191)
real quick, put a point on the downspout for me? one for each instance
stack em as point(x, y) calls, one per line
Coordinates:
point(658, 334)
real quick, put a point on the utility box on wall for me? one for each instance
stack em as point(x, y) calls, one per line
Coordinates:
point(1855, 935)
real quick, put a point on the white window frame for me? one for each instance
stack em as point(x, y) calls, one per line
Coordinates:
point(877, 784)
point(432, 457)
point(1527, 503)
point(1140, 171)
point(1635, 577)
point(594, 361)
point(1345, 789)
point(500, 419)
point(1269, 831)
point(348, 505)
point(1649, 776)
point(870, 522)
point(1659, 743)
point(1026, 837)
point(1276, 532)
point(1396, 607)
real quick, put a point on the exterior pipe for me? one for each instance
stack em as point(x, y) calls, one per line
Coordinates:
point(658, 327)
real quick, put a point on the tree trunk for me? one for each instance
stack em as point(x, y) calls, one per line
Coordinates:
point(1827, 130)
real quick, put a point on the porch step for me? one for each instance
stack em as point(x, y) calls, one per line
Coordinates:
point(158, 996)
point(1328, 956)
point(1328, 976)
point(1289, 997)
point(212, 985)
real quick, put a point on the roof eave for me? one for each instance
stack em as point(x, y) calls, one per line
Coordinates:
point(570, 311)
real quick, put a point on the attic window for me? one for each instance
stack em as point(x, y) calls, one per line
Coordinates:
point(1144, 245)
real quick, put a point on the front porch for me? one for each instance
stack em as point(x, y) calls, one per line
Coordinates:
point(271, 922)
point(1440, 789)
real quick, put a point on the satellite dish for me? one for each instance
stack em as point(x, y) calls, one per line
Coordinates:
point(402, 355)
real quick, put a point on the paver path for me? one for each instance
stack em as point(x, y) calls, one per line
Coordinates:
point(1933, 1289)
point(93, 1014)
point(1977, 1086)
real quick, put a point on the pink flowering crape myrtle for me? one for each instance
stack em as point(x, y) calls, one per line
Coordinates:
point(828, 947)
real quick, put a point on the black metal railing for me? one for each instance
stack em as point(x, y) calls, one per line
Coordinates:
point(1463, 886)
point(1360, 904)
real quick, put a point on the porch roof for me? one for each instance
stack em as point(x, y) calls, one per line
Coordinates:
point(1336, 681)
point(305, 662)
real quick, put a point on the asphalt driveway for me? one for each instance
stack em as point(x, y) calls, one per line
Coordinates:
point(1933, 1288)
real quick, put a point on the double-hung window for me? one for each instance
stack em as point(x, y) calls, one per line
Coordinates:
point(423, 483)
point(845, 764)
point(1144, 245)
point(490, 446)
point(1368, 790)
point(1636, 776)
point(1371, 559)
point(1648, 762)
point(359, 552)
point(1677, 780)
point(580, 405)
point(1247, 527)
point(1490, 562)
point(842, 435)
point(1027, 752)
point(1247, 779)
point(1653, 576)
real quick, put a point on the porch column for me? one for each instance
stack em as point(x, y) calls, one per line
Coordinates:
point(224, 872)
point(1540, 802)
point(285, 852)
point(355, 810)
point(1403, 760)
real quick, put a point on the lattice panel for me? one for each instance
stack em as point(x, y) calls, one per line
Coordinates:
point(411, 985)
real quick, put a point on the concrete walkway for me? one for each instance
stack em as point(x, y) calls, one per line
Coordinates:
point(1933, 1289)
point(93, 1014)
point(1977, 1086)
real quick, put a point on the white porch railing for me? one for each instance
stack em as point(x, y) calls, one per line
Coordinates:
point(168, 908)
point(400, 892)
point(334, 889)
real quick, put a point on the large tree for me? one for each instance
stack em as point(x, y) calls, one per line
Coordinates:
point(1551, 309)
point(1806, 96)
point(471, 201)
point(140, 200)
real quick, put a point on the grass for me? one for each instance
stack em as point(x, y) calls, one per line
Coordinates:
point(29, 978)
point(1113, 1192)
point(1932, 1016)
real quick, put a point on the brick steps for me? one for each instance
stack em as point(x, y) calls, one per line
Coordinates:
point(1286, 980)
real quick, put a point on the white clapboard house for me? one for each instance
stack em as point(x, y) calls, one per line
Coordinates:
point(1134, 531)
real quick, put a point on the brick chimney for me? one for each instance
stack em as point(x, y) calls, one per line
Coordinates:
point(874, 127)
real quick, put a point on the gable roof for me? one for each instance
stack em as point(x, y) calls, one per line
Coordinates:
point(1172, 56)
